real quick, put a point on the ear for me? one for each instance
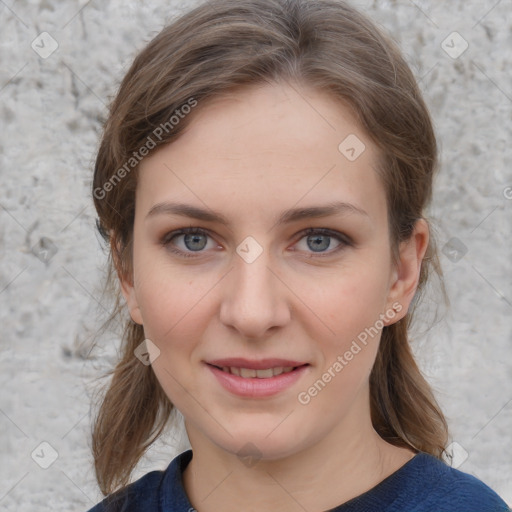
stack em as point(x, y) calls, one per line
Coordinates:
point(126, 282)
point(406, 274)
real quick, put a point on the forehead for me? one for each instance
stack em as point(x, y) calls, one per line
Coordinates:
point(266, 147)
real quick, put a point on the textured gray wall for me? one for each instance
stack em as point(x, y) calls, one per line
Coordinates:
point(51, 106)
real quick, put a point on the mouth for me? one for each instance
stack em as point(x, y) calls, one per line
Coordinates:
point(263, 373)
point(270, 378)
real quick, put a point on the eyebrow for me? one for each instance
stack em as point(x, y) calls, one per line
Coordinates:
point(286, 217)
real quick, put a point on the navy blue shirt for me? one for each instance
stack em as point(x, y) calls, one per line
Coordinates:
point(423, 484)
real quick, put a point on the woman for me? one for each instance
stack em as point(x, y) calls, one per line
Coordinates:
point(262, 181)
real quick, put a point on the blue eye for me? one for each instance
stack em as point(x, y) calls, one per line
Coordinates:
point(193, 238)
point(318, 240)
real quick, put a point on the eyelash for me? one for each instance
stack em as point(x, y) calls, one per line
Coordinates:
point(343, 239)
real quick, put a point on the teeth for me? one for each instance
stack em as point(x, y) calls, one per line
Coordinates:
point(264, 374)
point(248, 373)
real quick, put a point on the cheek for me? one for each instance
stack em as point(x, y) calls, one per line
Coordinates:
point(353, 308)
point(174, 313)
point(170, 309)
point(355, 299)
point(173, 301)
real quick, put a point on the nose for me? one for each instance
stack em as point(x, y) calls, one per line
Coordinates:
point(255, 300)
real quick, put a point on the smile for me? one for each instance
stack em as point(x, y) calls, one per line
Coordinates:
point(248, 373)
point(257, 383)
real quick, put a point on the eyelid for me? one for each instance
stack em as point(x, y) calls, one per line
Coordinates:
point(345, 240)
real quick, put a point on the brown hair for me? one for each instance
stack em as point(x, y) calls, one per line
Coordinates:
point(213, 49)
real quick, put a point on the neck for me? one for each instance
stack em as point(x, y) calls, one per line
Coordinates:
point(338, 467)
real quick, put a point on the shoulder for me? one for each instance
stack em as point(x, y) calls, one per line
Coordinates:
point(155, 491)
point(453, 490)
point(139, 496)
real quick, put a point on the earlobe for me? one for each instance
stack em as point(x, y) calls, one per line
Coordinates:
point(406, 275)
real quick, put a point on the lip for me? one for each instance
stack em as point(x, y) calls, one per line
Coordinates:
point(255, 387)
point(262, 364)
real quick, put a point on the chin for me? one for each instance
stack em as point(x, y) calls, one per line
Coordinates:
point(251, 447)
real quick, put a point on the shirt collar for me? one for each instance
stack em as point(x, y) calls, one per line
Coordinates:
point(173, 495)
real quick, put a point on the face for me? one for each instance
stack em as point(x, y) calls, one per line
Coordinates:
point(264, 274)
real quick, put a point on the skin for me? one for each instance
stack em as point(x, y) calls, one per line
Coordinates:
point(250, 156)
